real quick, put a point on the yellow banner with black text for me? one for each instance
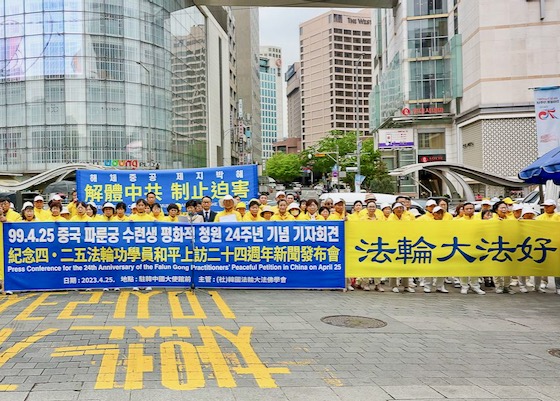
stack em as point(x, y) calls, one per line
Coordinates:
point(452, 248)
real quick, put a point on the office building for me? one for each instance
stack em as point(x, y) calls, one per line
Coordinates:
point(336, 73)
point(272, 99)
point(453, 81)
point(293, 97)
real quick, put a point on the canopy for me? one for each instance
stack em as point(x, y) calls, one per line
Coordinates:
point(546, 167)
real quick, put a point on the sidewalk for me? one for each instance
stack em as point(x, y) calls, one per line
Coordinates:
point(272, 345)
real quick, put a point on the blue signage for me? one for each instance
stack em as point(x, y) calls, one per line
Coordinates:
point(272, 255)
point(170, 186)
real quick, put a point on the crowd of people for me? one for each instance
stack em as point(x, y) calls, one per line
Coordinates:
point(286, 208)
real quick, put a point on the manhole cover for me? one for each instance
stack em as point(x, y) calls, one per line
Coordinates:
point(356, 322)
point(554, 352)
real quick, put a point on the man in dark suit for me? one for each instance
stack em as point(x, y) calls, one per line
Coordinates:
point(207, 214)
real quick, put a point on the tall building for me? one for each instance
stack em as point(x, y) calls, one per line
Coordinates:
point(453, 81)
point(272, 99)
point(248, 83)
point(335, 50)
point(293, 96)
point(91, 81)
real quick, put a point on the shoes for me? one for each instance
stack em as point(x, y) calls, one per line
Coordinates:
point(456, 282)
point(514, 283)
point(379, 288)
point(557, 291)
point(395, 289)
point(541, 290)
point(543, 286)
point(421, 283)
point(366, 288)
point(447, 280)
point(409, 289)
point(464, 290)
point(12, 293)
point(148, 288)
point(135, 289)
point(117, 289)
point(478, 290)
point(427, 289)
point(349, 288)
point(105, 289)
point(411, 283)
point(508, 290)
point(442, 290)
point(499, 290)
point(523, 289)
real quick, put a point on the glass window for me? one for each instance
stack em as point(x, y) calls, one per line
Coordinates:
point(426, 7)
point(431, 140)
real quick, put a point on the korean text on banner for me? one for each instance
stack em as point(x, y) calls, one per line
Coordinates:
point(452, 248)
point(169, 186)
point(547, 110)
point(51, 256)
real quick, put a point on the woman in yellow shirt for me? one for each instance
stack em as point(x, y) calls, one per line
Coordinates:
point(141, 215)
point(55, 208)
point(283, 214)
point(313, 210)
point(156, 212)
point(108, 210)
point(80, 212)
point(254, 211)
point(120, 214)
point(172, 213)
point(28, 212)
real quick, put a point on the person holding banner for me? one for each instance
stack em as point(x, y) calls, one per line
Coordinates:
point(241, 207)
point(28, 213)
point(438, 213)
point(254, 212)
point(282, 213)
point(549, 211)
point(267, 213)
point(156, 212)
point(229, 214)
point(40, 213)
point(80, 215)
point(398, 215)
point(56, 208)
point(502, 282)
point(11, 216)
point(339, 212)
point(172, 213)
point(91, 211)
point(141, 211)
point(356, 211)
point(469, 215)
point(386, 212)
point(108, 210)
point(120, 214)
point(313, 210)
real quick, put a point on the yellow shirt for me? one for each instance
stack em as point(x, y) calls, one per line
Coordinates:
point(102, 217)
point(548, 217)
point(81, 218)
point(72, 209)
point(367, 218)
point(282, 217)
point(315, 216)
point(496, 217)
point(56, 218)
point(302, 217)
point(225, 213)
point(378, 213)
point(337, 216)
point(404, 217)
point(447, 216)
point(12, 216)
point(171, 219)
point(249, 217)
point(426, 217)
point(160, 217)
point(42, 214)
point(355, 216)
point(141, 217)
point(467, 218)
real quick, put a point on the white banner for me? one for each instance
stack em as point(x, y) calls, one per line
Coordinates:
point(547, 111)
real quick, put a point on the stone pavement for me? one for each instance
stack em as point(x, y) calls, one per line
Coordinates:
point(237, 345)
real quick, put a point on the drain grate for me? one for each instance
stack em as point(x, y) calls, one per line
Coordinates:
point(554, 352)
point(355, 322)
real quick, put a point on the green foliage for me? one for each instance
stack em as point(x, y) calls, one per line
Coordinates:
point(371, 166)
point(283, 167)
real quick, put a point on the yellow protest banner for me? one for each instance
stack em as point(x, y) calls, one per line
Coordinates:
point(452, 248)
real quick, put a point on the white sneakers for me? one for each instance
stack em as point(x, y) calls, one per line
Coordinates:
point(523, 289)
point(409, 289)
point(464, 290)
point(395, 289)
point(479, 291)
point(442, 289)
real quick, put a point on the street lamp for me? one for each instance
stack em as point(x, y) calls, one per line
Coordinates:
point(357, 182)
point(323, 154)
point(148, 72)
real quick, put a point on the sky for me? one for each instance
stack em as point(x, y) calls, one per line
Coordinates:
point(279, 26)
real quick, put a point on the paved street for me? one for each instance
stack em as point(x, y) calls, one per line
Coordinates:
point(271, 345)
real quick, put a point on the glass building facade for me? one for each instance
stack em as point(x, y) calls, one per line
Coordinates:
point(269, 107)
point(99, 80)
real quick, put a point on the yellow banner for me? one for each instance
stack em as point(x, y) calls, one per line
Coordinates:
point(452, 248)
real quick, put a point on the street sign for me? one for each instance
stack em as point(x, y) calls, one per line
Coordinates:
point(351, 169)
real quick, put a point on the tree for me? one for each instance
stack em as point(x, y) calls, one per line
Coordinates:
point(283, 167)
point(371, 165)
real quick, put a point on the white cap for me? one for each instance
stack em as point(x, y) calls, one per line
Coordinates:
point(431, 202)
point(12, 206)
point(225, 198)
point(92, 204)
point(548, 202)
point(108, 204)
point(337, 200)
point(486, 202)
point(64, 210)
point(397, 204)
point(517, 206)
point(384, 205)
point(414, 212)
point(56, 197)
point(293, 205)
point(527, 210)
point(26, 205)
point(280, 193)
point(38, 198)
point(133, 206)
point(437, 209)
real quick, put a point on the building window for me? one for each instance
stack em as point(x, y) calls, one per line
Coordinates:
point(426, 7)
point(432, 140)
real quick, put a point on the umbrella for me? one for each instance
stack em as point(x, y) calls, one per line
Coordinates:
point(546, 167)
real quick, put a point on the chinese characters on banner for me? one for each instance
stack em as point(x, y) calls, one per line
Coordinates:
point(452, 248)
point(169, 186)
point(104, 255)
